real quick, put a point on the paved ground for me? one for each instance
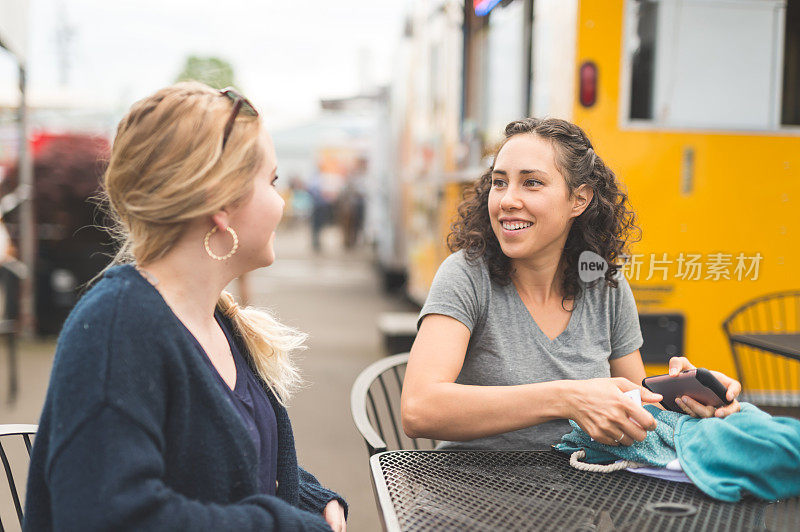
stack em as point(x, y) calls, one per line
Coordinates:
point(336, 298)
point(333, 296)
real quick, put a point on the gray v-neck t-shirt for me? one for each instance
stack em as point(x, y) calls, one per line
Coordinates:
point(507, 347)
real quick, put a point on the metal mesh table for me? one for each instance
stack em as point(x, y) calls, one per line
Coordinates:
point(538, 490)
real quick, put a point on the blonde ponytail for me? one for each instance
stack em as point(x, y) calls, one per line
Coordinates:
point(269, 344)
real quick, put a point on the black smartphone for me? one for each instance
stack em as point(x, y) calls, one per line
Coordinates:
point(699, 384)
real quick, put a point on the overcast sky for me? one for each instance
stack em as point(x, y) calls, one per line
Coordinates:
point(286, 54)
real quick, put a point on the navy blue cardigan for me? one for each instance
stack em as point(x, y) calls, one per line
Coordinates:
point(137, 434)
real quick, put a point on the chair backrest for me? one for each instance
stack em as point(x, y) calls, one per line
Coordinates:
point(375, 405)
point(768, 379)
point(771, 313)
point(15, 453)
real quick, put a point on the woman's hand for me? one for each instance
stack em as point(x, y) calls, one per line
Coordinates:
point(695, 409)
point(599, 407)
point(334, 515)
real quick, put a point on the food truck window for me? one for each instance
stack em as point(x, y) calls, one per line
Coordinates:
point(712, 64)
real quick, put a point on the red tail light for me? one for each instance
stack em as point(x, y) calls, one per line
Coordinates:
point(588, 84)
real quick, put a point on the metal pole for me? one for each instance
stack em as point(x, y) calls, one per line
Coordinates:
point(527, 56)
point(466, 35)
point(27, 223)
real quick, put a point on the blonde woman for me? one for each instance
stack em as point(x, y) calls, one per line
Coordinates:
point(165, 409)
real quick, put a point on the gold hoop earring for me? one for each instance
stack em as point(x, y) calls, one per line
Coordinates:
point(230, 253)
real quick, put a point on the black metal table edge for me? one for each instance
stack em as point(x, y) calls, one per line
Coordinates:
point(386, 509)
point(752, 340)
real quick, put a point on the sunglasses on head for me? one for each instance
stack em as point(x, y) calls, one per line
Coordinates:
point(240, 104)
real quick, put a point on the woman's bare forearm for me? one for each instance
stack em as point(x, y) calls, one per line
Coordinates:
point(459, 412)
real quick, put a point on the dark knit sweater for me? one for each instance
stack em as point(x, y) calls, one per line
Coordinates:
point(137, 434)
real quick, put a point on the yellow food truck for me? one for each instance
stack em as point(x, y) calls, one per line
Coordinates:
point(695, 104)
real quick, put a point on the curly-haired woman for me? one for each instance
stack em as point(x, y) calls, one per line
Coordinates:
point(511, 342)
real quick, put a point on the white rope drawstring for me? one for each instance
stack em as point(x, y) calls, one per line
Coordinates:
point(574, 461)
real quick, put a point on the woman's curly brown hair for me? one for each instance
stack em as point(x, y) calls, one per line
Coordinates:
point(605, 227)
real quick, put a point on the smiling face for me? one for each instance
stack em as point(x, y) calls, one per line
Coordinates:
point(530, 206)
point(257, 217)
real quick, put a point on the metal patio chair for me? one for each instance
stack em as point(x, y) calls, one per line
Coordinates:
point(375, 405)
point(764, 335)
point(12, 438)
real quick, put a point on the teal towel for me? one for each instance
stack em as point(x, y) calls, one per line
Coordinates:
point(749, 451)
point(658, 448)
point(746, 452)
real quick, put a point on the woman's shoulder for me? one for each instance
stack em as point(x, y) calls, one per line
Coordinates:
point(121, 331)
point(460, 276)
point(461, 263)
point(121, 293)
point(121, 312)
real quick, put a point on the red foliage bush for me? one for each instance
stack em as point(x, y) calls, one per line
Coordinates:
point(67, 173)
